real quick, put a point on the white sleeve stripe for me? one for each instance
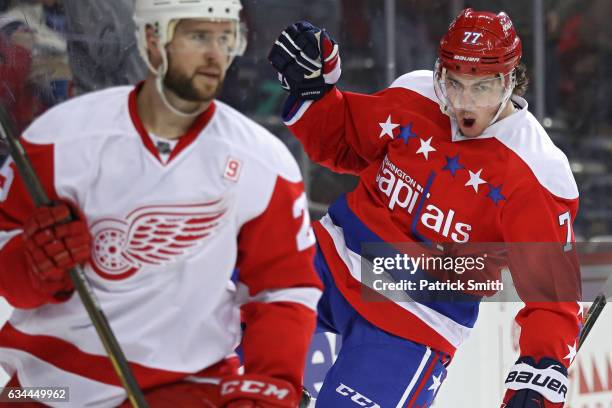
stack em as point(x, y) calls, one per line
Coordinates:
point(300, 112)
point(334, 75)
point(5, 236)
point(333, 54)
point(308, 297)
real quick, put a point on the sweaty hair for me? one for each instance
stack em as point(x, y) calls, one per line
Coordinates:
point(522, 80)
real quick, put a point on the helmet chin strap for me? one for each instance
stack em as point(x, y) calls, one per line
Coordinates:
point(159, 86)
point(507, 96)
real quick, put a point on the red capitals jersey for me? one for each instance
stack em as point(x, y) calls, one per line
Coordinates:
point(181, 245)
point(420, 181)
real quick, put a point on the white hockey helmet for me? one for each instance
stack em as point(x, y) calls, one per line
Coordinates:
point(163, 15)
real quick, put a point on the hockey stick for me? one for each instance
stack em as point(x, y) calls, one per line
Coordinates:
point(591, 317)
point(83, 287)
point(306, 398)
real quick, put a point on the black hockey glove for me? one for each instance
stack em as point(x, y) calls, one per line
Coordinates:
point(307, 60)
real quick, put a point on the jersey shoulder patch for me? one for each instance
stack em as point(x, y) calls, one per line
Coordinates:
point(256, 142)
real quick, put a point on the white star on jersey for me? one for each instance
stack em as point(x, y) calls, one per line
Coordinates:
point(426, 148)
point(387, 128)
point(475, 180)
point(436, 383)
point(580, 310)
point(571, 353)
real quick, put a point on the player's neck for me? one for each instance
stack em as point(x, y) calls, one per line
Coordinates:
point(157, 118)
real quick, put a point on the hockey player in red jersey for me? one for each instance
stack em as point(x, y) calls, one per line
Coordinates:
point(451, 157)
point(175, 191)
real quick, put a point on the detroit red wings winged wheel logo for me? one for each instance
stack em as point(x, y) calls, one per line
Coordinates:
point(152, 235)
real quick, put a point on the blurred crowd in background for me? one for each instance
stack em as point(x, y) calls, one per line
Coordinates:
point(51, 50)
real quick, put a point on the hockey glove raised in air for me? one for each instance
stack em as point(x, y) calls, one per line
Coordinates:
point(307, 60)
point(536, 386)
point(257, 391)
point(56, 239)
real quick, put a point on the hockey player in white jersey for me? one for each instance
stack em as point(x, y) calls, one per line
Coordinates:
point(192, 219)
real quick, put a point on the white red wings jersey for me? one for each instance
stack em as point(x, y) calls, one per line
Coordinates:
point(422, 181)
point(180, 247)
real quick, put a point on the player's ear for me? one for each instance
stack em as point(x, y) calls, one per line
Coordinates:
point(153, 46)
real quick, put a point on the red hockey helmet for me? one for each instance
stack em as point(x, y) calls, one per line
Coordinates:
point(479, 42)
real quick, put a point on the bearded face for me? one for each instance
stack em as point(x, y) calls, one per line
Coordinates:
point(198, 58)
point(203, 85)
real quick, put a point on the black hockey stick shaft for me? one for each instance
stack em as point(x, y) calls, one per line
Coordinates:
point(82, 286)
point(591, 317)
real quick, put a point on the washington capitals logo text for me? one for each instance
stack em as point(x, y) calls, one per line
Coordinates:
point(404, 192)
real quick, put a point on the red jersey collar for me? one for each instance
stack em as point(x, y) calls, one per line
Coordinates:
point(185, 140)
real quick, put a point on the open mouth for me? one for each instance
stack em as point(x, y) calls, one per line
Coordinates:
point(468, 122)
